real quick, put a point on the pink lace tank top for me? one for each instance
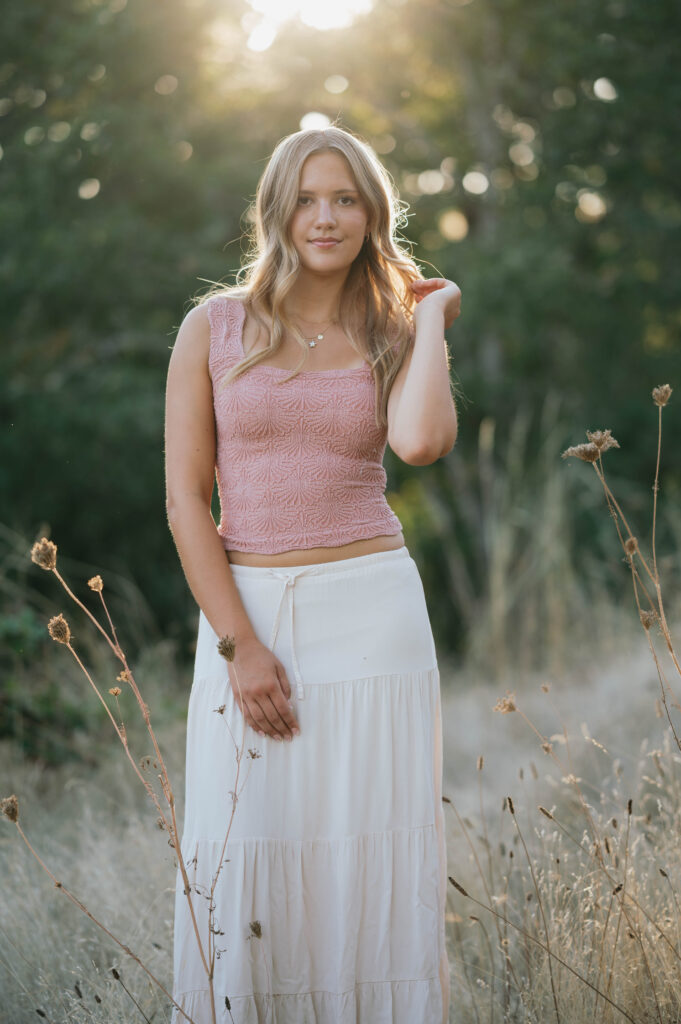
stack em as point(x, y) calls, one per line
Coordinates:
point(300, 464)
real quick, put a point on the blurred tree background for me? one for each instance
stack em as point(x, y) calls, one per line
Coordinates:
point(534, 143)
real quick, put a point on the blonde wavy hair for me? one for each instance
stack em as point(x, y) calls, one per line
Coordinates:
point(377, 285)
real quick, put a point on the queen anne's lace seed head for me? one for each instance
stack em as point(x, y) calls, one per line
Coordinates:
point(9, 808)
point(505, 704)
point(603, 439)
point(662, 394)
point(44, 554)
point(58, 628)
point(586, 452)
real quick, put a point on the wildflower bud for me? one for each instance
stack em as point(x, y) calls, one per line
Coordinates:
point(662, 394)
point(96, 583)
point(44, 554)
point(115, 691)
point(58, 628)
point(226, 646)
point(9, 808)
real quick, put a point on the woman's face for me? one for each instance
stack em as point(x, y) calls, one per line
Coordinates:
point(328, 206)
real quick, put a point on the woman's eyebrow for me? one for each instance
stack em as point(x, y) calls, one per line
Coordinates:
point(310, 191)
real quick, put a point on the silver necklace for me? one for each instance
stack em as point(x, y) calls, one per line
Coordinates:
point(312, 342)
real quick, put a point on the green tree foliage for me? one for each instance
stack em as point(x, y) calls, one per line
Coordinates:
point(534, 143)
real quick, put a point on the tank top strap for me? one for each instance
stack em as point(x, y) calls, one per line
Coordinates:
point(224, 316)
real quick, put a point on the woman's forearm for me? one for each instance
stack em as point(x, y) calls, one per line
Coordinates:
point(206, 567)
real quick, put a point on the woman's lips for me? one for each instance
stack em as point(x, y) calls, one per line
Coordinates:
point(325, 245)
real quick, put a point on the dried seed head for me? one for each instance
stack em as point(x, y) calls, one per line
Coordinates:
point(648, 618)
point(58, 628)
point(44, 553)
point(256, 929)
point(115, 691)
point(96, 583)
point(226, 646)
point(459, 888)
point(505, 704)
point(603, 439)
point(9, 808)
point(662, 395)
point(510, 805)
point(547, 747)
point(123, 677)
point(585, 452)
point(631, 545)
point(545, 687)
point(481, 762)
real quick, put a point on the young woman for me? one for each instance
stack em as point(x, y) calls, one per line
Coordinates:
point(330, 899)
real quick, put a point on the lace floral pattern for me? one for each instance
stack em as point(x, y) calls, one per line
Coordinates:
point(298, 464)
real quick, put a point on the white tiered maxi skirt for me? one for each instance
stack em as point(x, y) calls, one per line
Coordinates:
point(337, 846)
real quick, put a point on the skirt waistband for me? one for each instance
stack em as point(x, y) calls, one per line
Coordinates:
point(338, 565)
point(288, 576)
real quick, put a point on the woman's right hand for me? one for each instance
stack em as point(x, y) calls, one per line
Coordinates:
point(265, 690)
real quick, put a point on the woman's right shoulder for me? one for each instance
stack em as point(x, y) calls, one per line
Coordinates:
point(200, 326)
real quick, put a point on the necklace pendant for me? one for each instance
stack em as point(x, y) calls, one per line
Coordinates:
point(319, 337)
point(312, 344)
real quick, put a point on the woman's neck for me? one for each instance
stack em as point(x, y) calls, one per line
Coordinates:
point(315, 298)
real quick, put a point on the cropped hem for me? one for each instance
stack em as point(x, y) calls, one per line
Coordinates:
point(327, 539)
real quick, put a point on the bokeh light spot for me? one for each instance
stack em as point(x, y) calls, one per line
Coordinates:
point(475, 182)
point(336, 84)
point(453, 225)
point(89, 188)
point(605, 90)
point(314, 120)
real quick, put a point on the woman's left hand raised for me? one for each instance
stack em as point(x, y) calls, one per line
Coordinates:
point(441, 291)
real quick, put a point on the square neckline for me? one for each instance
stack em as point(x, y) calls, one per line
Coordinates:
point(281, 369)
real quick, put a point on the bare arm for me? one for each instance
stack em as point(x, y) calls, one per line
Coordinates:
point(190, 448)
point(422, 421)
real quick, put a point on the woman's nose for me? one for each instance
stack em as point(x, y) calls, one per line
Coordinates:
point(325, 213)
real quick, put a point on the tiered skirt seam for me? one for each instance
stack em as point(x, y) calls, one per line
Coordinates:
point(278, 839)
point(317, 991)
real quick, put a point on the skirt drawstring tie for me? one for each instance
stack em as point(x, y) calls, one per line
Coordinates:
point(289, 579)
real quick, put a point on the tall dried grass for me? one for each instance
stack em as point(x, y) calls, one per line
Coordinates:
point(575, 911)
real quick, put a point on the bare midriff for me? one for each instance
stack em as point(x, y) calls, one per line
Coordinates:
point(309, 556)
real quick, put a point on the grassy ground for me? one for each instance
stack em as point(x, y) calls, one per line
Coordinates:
point(95, 829)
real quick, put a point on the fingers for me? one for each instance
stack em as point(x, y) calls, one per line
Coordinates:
point(269, 712)
point(270, 715)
